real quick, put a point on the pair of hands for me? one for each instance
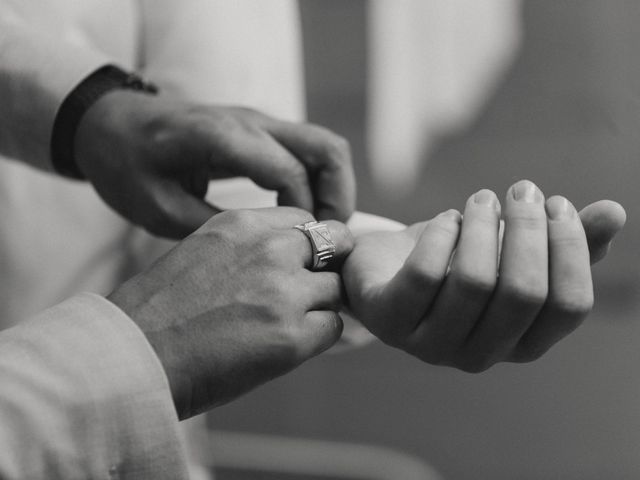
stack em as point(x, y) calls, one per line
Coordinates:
point(235, 305)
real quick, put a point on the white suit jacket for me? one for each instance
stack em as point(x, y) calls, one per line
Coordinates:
point(83, 396)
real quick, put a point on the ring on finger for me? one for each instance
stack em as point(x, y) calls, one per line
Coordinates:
point(322, 245)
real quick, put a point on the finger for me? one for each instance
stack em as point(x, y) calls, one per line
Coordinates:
point(327, 158)
point(570, 290)
point(522, 282)
point(412, 290)
point(470, 282)
point(269, 165)
point(602, 221)
point(340, 235)
point(320, 330)
point(176, 212)
point(320, 290)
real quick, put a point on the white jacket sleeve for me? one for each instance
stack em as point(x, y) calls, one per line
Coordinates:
point(84, 396)
point(43, 55)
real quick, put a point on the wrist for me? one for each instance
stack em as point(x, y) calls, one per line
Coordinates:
point(74, 107)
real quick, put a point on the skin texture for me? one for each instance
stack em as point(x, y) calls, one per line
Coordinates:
point(440, 291)
point(150, 158)
point(235, 305)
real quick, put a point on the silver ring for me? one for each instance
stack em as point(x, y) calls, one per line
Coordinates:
point(321, 243)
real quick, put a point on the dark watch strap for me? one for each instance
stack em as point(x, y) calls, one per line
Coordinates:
point(98, 83)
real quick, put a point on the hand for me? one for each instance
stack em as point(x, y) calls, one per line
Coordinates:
point(234, 305)
point(151, 160)
point(482, 311)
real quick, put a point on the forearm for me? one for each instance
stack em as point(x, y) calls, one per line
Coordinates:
point(40, 62)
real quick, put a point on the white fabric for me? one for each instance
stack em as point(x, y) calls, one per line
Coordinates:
point(243, 52)
point(84, 396)
point(433, 64)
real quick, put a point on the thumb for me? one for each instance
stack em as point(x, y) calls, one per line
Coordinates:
point(178, 212)
point(602, 221)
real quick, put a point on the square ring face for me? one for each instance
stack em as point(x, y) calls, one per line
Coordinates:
point(321, 239)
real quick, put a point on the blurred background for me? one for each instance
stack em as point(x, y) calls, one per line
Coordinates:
point(564, 112)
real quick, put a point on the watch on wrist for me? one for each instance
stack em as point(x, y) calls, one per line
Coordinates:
point(74, 106)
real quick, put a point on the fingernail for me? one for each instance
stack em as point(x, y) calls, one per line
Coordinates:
point(559, 208)
point(486, 197)
point(526, 191)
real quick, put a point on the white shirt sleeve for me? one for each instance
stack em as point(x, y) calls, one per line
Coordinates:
point(43, 55)
point(85, 396)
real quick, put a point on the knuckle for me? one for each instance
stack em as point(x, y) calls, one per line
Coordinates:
point(474, 364)
point(337, 150)
point(455, 359)
point(567, 241)
point(296, 174)
point(286, 338)
point(528, 220)
point(445, 225)
point(302, 215)
point(332, 326)
point(291, 175)
point(441, 357)
point(576, 303)
point(428, 357)
point(433, 353)
point(246, 110)
point(424, 275)
point(241, 219)
point(245, 113)
point(485, 219)
point(334, 298)
point(275, 247)
point(341, 233)
point(281, 289)
point(275, 304)
point(347, 240)
point(343, 210)
point(528, 353)
point(240, 227)
point(228, 125)
point(527, 293)
point(473, 283)
point(162, 219)
point(432, 356)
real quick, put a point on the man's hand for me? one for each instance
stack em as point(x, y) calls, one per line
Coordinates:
point(234, 304)
point(151, 160)
point(440, 290)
